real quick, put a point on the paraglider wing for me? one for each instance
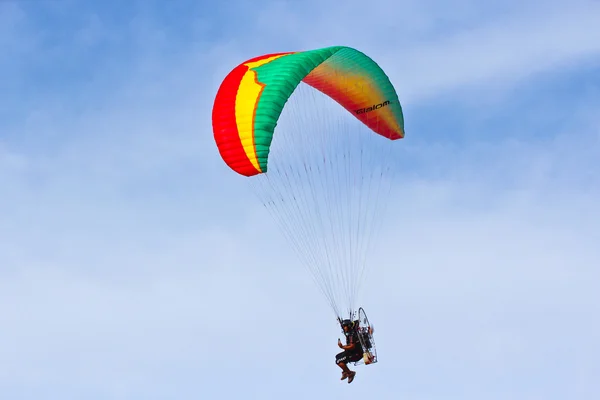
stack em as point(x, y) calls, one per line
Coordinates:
point(251, 97)
point(313, 130)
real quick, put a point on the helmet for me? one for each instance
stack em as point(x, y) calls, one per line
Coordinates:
point(347, 323)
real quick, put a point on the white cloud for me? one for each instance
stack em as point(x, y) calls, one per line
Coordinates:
point(508, 51)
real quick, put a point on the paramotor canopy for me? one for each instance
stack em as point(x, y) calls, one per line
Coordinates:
point(323, 171)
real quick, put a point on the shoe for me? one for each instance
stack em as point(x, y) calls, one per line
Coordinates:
point(344, 375)
point(351, 376)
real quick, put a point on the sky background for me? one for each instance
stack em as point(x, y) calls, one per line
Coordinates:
point(135, 265)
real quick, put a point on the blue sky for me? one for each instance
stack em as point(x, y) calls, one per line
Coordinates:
point(130, 270)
